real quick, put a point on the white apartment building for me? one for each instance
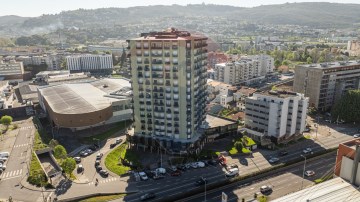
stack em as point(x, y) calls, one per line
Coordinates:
point(275, 116)
point(52, 61)
point(95, 64)
point(245, 70)
point(169, 87)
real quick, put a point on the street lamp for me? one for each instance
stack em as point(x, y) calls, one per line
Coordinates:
point(302, 182)
point(205, 188)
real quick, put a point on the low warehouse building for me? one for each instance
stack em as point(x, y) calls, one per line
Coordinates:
point(84, 105)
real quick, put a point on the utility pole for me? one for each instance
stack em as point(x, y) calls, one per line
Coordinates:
point(302, 182)
point(205, 188)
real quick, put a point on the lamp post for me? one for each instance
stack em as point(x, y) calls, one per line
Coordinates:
point(302, 182)
point(205, 189)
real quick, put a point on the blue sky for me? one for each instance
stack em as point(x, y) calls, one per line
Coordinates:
point(31, 8)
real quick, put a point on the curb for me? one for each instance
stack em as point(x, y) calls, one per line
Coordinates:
point(92, 195)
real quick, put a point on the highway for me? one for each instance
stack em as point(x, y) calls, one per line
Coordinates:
point(282, 183)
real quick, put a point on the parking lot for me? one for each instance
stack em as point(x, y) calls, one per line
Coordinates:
point(91, 161)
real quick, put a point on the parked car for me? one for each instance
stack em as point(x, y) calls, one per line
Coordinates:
point(356, 135)
point(194, 165)
point(309, 173)
point(201, 181)
point(212, 162)
point(97, 162)
point(84, 153)
point(98, 168)
point(147, 196)
point(307, 130)
point(93, 147)
point(181, 167)
point(143, 176)
point(104, 173)
point(173, 168)
point(158, 177)
point(112, 145)
point(80, 168)
point(232, 172)
point(188, 165)
point(200, 164)
point(265, 189)
point(274, 160)
point(283, 153)
point(89, 151)
point(77, 159)
point(160, 170)
point(2, 167)
point(307, 150)
point(118, 141)
point(99, 156)
point(176, 173)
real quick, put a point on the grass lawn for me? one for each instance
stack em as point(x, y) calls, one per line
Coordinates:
point(103, 198)
point(37, 176)
point(248, 141)
point(113, 162)
point(233, 151)
point(307, 136)
point(106, 134)
point(116, 76)
point(245, 151)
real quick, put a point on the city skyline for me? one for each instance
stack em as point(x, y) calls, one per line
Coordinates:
point(40, 7)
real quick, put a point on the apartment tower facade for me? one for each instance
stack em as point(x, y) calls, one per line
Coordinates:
point(326, 83)
point(169, 71)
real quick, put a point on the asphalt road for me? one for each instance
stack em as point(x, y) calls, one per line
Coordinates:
point(16, 167)
point(282, 183)
point(177, 185)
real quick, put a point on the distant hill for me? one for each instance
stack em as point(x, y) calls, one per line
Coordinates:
point(320, 15)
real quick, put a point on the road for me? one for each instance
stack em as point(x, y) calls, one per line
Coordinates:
point(16, 167)
point(282, 183)
point(259, 161)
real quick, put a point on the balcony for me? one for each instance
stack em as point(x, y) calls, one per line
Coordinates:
point(139, 68)
point(174, 47)
point(157, 47)
point(167, 54)
point(140, 75)
point(175, 69)
point(156, 61)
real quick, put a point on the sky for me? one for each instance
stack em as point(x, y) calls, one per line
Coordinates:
point(33, 8)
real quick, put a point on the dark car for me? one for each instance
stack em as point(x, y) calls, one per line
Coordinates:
point(97, 162)
point(104, 173)
point(99, 156)
point(98, 168)
point(147, 196)
point(149, 174)
point(181, 167)
point(212, 162)
point(158, 177)
point(176, 173)
point(93, 147)
point(80, 168)
point(112, 145)
point(283, 153)
point(201, 181)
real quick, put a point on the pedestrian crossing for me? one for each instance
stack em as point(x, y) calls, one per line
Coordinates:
point(11, 174)
point(21, 145)
point(105, 181)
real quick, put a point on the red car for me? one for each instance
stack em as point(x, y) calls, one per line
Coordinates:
point(176, 173)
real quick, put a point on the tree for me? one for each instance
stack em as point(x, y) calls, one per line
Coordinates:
point(60, 152)
point(285, 62)
point(53, 143)
point(321, 59)
point(348, 107)
point(6, 120)
point(277, 63)
point(68, 165)
point(309, 60)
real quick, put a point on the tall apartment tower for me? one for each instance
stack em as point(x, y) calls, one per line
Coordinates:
point(169, 71)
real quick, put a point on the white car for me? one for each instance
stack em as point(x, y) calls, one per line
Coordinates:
point(160, 170)
point(143, 176)
point(274, 160)
point(194, 165)
point(307, 150)
point(2, 167)
point(200, 164)
point(309, 173)
point(356, 135)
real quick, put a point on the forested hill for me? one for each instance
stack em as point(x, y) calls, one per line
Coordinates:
point(312, 14)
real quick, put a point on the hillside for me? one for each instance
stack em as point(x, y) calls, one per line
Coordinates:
point(319, 15)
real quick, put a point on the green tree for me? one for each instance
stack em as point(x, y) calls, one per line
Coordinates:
point(6, 120)
point(285, 62)
point(277, 63)
point(60, 152)
point(68, 165)
point(321, 59)
point(309, 60)
point(238, 145)
point(348, 107)
point(53, 143)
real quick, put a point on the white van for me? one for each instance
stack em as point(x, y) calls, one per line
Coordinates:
point(232, 172)
point(4, 154)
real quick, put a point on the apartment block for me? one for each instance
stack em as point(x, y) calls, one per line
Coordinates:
point(275, 116)
point(52, 61)
point(169, 71)
point(245, 70)
point(325, 83)
point(95, 64)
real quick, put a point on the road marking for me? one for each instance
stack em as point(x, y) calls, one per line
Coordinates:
point(26, 127)
point(14, 173)
point(9, 178)
point(20, 145)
